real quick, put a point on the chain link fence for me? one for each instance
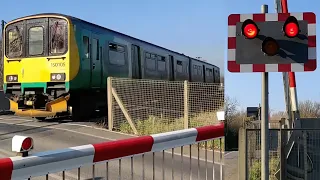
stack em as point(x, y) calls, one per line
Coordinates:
point(143, 106)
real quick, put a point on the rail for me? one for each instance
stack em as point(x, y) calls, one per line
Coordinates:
point(75, 158)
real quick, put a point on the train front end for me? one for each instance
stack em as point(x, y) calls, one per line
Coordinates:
point(37, 65)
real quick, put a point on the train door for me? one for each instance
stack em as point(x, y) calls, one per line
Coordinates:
point(86, 57)
point(172, 71)
point(96, 59)
point(136, 62)
point(204, 73)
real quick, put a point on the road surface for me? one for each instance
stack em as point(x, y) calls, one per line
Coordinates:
point(54, 135)
point(231, 165)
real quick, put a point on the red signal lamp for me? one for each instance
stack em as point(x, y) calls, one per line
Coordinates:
point(249, 29)
point(270, 46)
point(291, 27)
point(26, 144)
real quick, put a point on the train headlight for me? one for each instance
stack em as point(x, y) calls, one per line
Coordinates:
point(12, 78)
point(57, 77)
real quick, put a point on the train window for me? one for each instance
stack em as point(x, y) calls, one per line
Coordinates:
point(153, 56)
point(148, 55)
point(195, 69)
point(95, 49)
point(161, 65)
point(159, 58)
point(115, 47)
point(86, 48)
point(15, 42)
point(151, 64)
point(208, 72)
point(163, 58)
point(179, 66)
point(117, 54)
point(36, 40)
point(58, 36)
point(120, 48)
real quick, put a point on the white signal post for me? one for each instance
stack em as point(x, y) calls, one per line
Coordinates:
point(22, 145)
point(265, 119)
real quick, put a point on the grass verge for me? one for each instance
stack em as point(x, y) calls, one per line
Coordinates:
point(155, 125)
point(255, 171)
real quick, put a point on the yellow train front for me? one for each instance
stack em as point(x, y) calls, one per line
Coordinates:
point(38, 66)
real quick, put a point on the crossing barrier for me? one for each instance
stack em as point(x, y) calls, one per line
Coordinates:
point(45, 163)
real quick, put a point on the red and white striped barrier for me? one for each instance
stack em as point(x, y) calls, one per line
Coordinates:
point(39, 164)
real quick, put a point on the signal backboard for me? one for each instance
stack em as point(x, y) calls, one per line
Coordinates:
point(296, 54)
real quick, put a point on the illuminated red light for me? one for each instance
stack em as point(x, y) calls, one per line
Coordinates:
point(250, 31)
point(26, 144)
point(291, 29)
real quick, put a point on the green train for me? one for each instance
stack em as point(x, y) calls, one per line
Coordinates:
point(57, 65)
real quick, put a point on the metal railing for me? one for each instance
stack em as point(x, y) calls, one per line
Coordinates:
point(297, 158)
point(183, 154)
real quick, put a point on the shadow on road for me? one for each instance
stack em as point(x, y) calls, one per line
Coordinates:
point(4, 103)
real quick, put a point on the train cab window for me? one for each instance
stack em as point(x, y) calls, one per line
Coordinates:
point(179, 66)
point(58, 36)
point(86, 49)
point(117, 54)
point(161, 63)
point(35, 41)
point(95, 49)
point(15, 42)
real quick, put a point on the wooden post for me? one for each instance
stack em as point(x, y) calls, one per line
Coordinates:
point(110, 103)
point(124, 111)
point(186, 105)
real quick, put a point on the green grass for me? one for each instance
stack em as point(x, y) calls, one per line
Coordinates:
point(255, 170)
point(156, 125)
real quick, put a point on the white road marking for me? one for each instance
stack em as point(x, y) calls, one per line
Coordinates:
point(86, 134)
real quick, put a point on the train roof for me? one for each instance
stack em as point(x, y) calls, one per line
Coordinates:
point(72, 17)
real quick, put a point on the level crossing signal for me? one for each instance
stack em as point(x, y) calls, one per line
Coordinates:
point(272, 42)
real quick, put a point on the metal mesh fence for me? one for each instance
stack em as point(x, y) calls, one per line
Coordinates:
point(254, 153)
point(155, 106)
point(302, 158)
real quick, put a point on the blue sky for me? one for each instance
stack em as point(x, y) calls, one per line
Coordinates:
point(185, 26)
point(195, 28)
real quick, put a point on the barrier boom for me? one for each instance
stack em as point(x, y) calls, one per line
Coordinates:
point(39, 164)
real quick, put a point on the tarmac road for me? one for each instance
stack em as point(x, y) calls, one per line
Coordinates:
point(53, 135)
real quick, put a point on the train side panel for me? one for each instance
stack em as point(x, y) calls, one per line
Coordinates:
point(196, 71)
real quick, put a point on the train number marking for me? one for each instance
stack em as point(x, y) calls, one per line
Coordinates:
point(62, 64)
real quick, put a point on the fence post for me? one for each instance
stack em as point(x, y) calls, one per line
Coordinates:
point(282, 155)
point(242, 162)
point(186, 104)
point(305, 154)
point(110, 103)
